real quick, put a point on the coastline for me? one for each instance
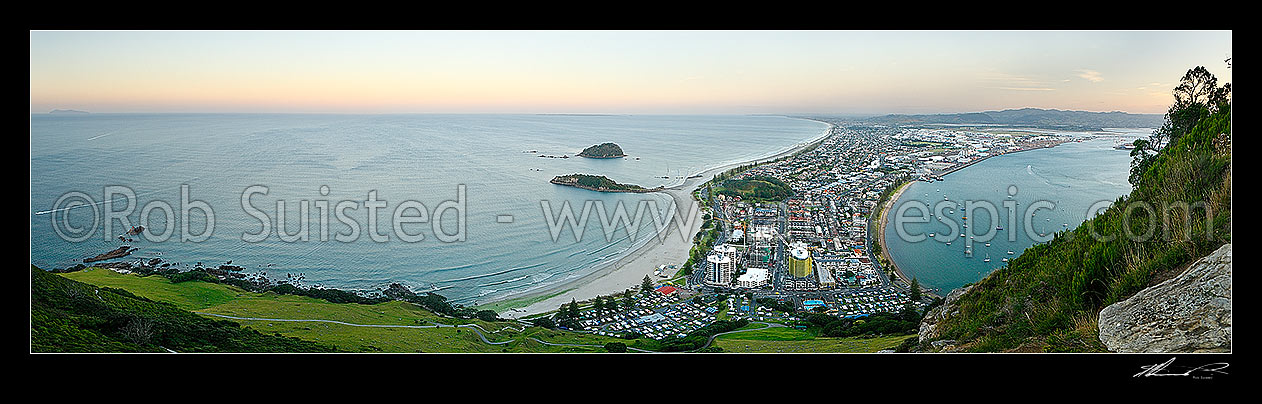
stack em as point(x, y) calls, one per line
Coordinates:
point(628, 271)
point(880, 232)
point(893, 200)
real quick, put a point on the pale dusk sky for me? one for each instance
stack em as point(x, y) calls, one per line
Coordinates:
point(638, 72)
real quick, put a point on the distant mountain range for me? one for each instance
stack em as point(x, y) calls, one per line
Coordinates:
point(1030, 117)
point(67, 111)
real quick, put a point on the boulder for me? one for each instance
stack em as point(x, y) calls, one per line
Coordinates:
point(929, 325)
point(1188, 313)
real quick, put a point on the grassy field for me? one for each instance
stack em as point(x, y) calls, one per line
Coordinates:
point(776, 341)
point(214, 298)
point(190, 296)
point(770, 334)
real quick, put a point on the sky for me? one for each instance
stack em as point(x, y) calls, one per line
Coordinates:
point(635, 72)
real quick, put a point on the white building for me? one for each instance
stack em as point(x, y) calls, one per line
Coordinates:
point(753, 278)
point(719, 269)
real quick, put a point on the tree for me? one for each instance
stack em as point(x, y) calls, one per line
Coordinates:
point(1196, 97)
point(915, 290)
point(599, 304)
point(544, 322)
point(573, 310)
point(139, 330)
point(488, 315)
point(646, 285)
point(616, 347)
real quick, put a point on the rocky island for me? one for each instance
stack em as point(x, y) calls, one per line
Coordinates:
point(603, 151)
point(598, 183)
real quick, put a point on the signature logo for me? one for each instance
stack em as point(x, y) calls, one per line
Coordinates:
point(1200, 372)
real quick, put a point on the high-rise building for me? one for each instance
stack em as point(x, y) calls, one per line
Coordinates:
point(719, 269)
point(800, 261)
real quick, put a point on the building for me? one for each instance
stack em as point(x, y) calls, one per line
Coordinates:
point(753, 278)
point(667, 290)
point(826, 278)
point(800, 261)
point(719, 269)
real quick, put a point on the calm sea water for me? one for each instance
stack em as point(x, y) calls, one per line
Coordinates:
point(424, 158)
point(1073, 177)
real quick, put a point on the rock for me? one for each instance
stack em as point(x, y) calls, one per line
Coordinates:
point(1188, 313)
point(929, 325)
point(940, 345)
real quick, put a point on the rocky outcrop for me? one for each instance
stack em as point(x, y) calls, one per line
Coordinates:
point(928, 333)
point(1188, 313)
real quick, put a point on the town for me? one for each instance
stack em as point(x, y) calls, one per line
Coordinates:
point(796, 235)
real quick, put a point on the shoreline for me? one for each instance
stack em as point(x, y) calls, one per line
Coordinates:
point(884, 219)
point(628, 271)
point(880, 229)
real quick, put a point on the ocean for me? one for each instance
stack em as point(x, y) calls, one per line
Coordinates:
point(1056, 188)
point(490, 243)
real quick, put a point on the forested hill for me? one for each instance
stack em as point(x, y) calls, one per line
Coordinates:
point(1030, 117)
point(1049, 297)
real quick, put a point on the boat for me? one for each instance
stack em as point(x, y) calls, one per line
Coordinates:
point(1126, 146)
point(930, 234)
point(988, 244)
point(987, 258)
point(998, 227)
point(1005, 259)
point(1010, 252)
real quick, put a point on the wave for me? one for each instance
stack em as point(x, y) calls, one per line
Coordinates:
point(503, 281)
point(490, 274)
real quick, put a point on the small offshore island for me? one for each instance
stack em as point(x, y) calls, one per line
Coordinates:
point(599, 183)
point(603, 151)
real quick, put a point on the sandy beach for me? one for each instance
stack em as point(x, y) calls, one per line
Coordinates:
point(629, 271)
point(880, 230)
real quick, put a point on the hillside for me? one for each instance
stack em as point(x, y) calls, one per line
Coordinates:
point(385, 326)
point(598, 183)
point(71, 316)
point(1048, 298)
point(1031, 117)
point(603, 151)
point(756, 188)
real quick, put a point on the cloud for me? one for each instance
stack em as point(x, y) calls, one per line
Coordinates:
point(1025, 88)
point(1013, 82)
point(1090, 75)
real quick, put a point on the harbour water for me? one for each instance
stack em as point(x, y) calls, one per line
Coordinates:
point(1057, 188)
point(326, 159)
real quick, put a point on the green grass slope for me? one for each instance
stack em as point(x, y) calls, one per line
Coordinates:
point(1047, 299)
point(72, 316)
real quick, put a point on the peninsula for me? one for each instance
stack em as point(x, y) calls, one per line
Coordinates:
point(603, 151)
point(599, 183)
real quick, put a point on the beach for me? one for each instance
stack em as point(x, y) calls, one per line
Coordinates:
point(629, 271)
point(880, 230)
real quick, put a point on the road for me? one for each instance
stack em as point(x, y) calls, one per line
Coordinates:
point(712, 337)
point(476, 328)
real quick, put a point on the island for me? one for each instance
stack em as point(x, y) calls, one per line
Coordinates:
point(603, 151)
point(120, 252)
point(599, 183)
point(67, 111)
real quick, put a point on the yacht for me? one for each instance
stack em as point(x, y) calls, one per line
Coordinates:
point(987, 258)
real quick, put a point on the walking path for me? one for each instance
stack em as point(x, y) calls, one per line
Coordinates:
point(476, 328)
